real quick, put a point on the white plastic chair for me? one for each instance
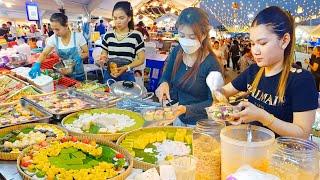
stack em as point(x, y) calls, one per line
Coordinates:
point(93, 67)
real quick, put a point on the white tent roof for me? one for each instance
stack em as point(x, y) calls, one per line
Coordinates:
point(74, 8)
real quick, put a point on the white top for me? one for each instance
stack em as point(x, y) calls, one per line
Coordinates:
point(80, 41)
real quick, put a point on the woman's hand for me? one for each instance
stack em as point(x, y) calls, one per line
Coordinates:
point(163, 91)
point(102, 60)
point(120, 71)
point(250, 113)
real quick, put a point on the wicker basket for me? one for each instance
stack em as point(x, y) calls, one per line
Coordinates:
point(121, 176)
point(14, 156)
point(144, 165)
point(105, 136)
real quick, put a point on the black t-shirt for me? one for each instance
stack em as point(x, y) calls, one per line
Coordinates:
point(300, 95)
point(235, 50)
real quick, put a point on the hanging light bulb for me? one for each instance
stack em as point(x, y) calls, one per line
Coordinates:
point(297, 19)
point(299, 10)
point(155, 3)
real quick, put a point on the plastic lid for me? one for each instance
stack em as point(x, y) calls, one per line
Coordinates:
point(237, 135)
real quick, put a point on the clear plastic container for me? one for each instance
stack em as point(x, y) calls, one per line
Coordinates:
point(206, 148)
point(237, 151)
point(222, 112)
point(295, 159)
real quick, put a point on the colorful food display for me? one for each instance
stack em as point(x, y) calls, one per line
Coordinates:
point(104, 122)
point(155, 145)
point(62, 103)
point(24, 92)
point(223, 112)
point(159, 114)
point(16, 140)
point(17, 114)
point(9, 86)
point(95, 90)
point(73, 158)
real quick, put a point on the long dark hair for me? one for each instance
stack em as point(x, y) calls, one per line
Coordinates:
point(281, 23)
point(198, 20)
point(127, 8)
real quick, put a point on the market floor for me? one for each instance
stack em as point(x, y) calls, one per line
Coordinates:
point(230, 75)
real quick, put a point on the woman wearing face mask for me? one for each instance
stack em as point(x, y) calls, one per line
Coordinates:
point(68, 45)
point(188, 65)
point(123, 43)
point(282, 98)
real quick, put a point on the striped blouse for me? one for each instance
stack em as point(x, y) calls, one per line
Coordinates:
point(126, 48)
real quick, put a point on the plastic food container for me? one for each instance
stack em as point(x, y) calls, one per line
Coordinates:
point(223, 112)
point(158, 114)
point(237, 151)
point(44, 82)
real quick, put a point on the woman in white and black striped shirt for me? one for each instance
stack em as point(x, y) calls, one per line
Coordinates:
point(123, 42)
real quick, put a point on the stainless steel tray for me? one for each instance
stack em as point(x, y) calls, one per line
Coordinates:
point(17, 79)
point(41, 114)
point(105, 102)
point(93, 103)
point(29, 86)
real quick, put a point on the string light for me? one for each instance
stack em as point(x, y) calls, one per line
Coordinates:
point(238, 19)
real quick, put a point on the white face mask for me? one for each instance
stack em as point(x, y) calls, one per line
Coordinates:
point(189, 46)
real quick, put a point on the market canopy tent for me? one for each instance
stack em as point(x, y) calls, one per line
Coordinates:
point(15, 10)
point(316, 32)
point(237, 15)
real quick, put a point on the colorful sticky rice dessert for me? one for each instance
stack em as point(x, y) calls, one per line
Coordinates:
point(72, 159)
point(17, 140)
point(153, 146)
point(61, 103)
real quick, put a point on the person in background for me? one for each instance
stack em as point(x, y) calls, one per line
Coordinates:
point(68, 45)
point(213, 39)
point(33, 28)
point(246, 60)
point(101, 28)
point(45, 30)
point(219, 54)
point(96, 27)
point(188, 65)
point(282, 98)
point(4, 31)
point(50, 31)
point(314, 65)
point(141, 28)
point(20, 32)
point(154, 27)
point(13, 30)
point(224, 49)
point(235, 55)
point(122, 44)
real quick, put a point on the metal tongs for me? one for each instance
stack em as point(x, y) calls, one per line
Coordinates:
point(164, 100)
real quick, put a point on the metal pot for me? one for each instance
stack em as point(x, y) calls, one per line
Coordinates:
point(65, 67)
point(128, 89)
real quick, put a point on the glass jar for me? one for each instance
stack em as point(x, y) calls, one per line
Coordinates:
point(206, 148)
point(295, 159)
